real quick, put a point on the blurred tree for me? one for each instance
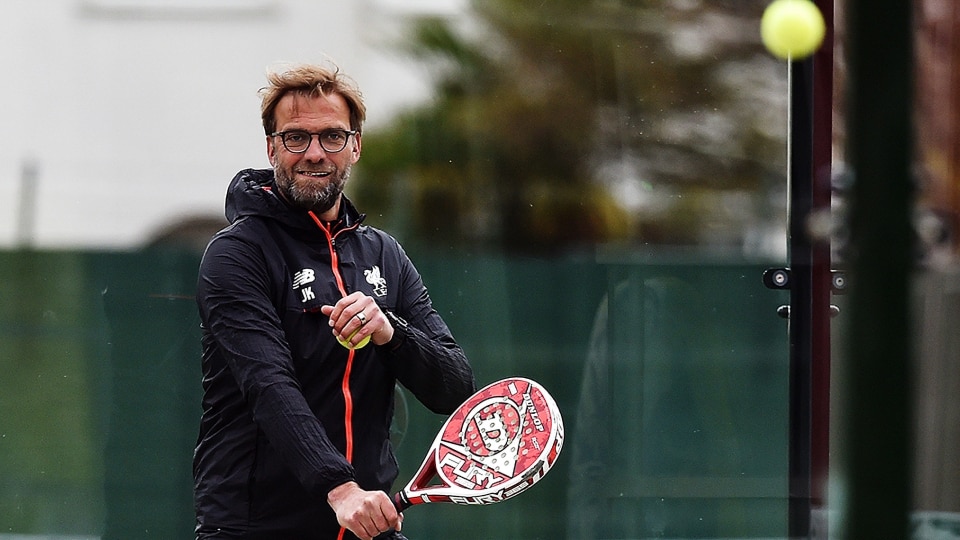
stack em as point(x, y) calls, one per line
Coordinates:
point(562, 123)
point(938, 126)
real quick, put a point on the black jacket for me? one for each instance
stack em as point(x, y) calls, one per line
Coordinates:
point(274, 431)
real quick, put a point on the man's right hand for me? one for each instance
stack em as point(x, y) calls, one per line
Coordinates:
point(364, 513)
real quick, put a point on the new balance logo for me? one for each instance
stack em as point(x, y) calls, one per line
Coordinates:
point(301, 278)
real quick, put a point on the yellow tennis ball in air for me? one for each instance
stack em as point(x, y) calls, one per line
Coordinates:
point(792, 29)
point(362, 344)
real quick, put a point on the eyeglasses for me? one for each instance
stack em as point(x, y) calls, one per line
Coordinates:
point(298, 140)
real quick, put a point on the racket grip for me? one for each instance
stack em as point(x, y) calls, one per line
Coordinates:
point(401, 502)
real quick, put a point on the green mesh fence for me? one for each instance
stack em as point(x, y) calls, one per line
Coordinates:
point(671, 375)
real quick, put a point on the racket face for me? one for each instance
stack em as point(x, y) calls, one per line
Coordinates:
point(500, 442)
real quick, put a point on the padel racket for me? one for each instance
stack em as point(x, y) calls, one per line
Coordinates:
point(501, 441)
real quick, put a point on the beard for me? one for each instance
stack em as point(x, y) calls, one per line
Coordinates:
point(318, 195)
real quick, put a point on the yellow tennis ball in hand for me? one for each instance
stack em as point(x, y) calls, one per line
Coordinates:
point(346, 343)
point(792, 29)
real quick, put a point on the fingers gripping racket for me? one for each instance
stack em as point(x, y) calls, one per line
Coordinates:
point(501, 441)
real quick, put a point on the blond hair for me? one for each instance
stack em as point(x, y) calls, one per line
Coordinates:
point(310, 80)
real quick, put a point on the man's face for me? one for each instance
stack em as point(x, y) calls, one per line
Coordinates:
point(314, 179)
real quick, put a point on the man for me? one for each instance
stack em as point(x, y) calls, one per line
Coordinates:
point(294, 437)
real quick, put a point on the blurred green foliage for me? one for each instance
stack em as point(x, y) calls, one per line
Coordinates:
point(560, 124)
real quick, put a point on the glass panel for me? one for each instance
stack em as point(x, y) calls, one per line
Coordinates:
point(591, 192)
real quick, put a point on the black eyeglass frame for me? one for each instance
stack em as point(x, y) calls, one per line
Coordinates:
point(283, 138)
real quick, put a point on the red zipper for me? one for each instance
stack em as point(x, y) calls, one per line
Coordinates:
point(345, 383)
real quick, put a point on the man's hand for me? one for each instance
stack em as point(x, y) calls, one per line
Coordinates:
point(364, 513)
point(359, 316)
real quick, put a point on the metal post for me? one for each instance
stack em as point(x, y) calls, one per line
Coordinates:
point(878, 392)
point(810, 136)
point(801, 293)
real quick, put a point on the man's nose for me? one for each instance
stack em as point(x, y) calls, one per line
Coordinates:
point(315, 151)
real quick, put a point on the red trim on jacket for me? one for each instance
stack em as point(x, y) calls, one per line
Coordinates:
point(345, 383)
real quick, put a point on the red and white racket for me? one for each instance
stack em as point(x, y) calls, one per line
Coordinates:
point(501, 441)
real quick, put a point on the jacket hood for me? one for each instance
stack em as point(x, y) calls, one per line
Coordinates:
point(252, 192)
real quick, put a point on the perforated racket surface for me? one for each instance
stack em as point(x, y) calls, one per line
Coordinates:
point(501, 441)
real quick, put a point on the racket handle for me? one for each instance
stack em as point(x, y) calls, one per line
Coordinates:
point(401, 502)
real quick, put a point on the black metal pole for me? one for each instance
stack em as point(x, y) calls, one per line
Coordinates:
point(822, 283)
point(801, 308)
point(811, 132)
point(878, 404)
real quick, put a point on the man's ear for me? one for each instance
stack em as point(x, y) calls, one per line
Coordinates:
point(271, 152)
point(356, 147)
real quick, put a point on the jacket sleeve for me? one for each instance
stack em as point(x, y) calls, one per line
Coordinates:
point(234, 298)
point(423, 353)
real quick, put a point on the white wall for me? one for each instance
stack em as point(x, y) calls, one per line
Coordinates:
point(138, 112)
